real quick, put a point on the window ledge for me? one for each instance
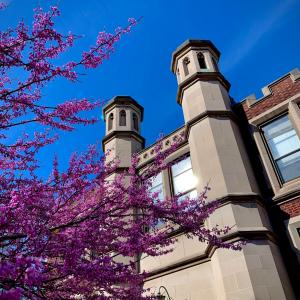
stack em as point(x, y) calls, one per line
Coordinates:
point(287, 189)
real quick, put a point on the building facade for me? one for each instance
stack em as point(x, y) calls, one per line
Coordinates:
point(249, 153)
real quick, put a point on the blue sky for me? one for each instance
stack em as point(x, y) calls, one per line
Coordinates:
point(259, 42)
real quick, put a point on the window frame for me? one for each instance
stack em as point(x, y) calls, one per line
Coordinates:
point(201, 56)
point(185, 63)
point(171, 178)
point(167, 183)
point(290, 106)
point(110, 121)
point(122, 118)
point(152, 189)
point(269, 151)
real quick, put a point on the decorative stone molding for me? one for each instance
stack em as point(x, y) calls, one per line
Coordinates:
point(200, 76)
point(123, 134)
point(147, 155)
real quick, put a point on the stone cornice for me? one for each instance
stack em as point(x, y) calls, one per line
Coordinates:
point(286, 197)
point(262, 234)
point(228, 114)
point(123, 134)
point(193, 43)
point(123, 100)
point(117, 170)
point(259, 233)
point(241, 198)
point(201, 76)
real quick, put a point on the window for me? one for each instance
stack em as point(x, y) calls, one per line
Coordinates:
point(215, 64)
point(122, 121)
point(135, 122)
point(184, 180)
point(157, 186)
point(110, 121)
point(186, 63)
point(284, 146)
point(201, 60)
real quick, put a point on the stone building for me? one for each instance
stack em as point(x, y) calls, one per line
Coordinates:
point(249, 152)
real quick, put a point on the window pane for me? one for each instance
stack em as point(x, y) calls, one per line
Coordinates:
point(183, 178)
point(192, 195)
point(157, 186)
point(289, 166)
point(277, 127)
point(184, 182)
point(181, 166)
point(159, 190)
point(284, 144)
point(283, 141)
point(157, 180)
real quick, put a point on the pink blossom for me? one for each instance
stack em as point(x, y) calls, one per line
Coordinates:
point(57, 235)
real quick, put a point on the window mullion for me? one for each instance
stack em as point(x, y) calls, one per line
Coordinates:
point(286, 155)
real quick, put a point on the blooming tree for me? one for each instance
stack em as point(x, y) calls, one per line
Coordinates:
point(62, 238)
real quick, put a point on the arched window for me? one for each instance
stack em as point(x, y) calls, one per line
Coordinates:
point(135, 121)
point(110, 121)
point(122, 120)
point(186, 62)
point(201, 60)
point(215, 64)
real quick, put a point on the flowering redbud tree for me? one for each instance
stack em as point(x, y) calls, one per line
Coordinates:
point(62, 238)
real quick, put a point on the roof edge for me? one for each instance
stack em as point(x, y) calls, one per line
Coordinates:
point(123, 100)
point(190, 43)
point(250, 100)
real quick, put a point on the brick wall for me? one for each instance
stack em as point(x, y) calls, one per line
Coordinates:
point(291, 208)
point(281, 90)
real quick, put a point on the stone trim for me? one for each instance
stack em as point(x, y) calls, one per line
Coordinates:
point(288, 196)
point(292, 224)
point(193, 43)
point(206, 257)
point(241, 198)
point(117, 170)
point(201, 76)
point(147, 155)
point(228, 114)
point(200, 259)
point(123, 100)
point(120, 134)
point(249, 234)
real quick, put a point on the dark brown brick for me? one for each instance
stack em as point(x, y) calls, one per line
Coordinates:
point(281, 90)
